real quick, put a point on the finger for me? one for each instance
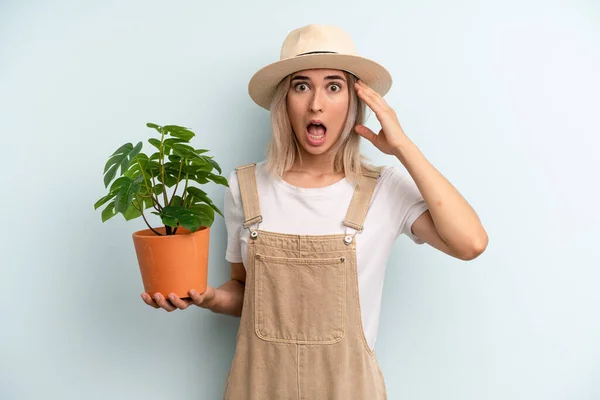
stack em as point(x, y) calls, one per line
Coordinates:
point(160, 300)
point(362, 93)
point(178, 302)
point(365, 132)
point(370, 98)
point(374, 97)
point(199, 299)
point(148, 300)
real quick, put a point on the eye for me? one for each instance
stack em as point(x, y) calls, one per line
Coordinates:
point(300, 84)
point(339, 87)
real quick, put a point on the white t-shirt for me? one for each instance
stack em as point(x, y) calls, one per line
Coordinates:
point(395, 205)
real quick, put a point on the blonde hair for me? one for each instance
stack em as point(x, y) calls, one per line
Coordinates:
point(284, 148)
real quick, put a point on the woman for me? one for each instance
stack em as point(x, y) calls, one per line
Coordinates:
point(311, 228)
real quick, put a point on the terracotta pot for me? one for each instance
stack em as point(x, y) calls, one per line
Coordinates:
point(173, 263)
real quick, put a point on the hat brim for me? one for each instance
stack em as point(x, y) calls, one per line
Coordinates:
point(263, 83)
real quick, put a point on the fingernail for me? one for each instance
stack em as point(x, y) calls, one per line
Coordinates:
point(193, 292)
point(157, 297)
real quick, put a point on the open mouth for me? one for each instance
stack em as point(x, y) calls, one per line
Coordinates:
point(315, 133)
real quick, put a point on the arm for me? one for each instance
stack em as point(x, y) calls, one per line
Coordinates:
point(229, 297)
point(450, 225)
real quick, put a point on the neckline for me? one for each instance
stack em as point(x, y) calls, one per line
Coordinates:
point(316, 192)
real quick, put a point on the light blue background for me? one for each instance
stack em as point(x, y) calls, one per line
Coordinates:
point(502, 97)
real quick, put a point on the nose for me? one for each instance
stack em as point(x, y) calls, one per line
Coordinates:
point(316, 102)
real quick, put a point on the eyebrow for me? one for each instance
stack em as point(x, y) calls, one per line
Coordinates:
point(330, 77)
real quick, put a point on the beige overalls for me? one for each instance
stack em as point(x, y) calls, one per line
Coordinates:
point(301, 335)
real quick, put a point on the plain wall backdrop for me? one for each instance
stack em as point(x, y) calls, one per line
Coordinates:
point(501, 96)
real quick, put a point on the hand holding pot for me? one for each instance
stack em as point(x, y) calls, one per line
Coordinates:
point(174, 302)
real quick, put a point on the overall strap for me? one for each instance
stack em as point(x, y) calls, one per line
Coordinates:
point(247, 182)
point(363, 192)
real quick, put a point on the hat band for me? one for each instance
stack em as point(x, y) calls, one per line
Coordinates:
point(316, 52)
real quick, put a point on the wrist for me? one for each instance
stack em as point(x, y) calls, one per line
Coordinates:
point(403, 148)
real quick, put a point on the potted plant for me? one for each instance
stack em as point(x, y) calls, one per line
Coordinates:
point(174, 257)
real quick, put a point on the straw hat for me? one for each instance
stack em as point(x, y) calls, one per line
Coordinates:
point(316, 46)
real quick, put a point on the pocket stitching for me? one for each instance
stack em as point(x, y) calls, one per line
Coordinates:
point(290, 260)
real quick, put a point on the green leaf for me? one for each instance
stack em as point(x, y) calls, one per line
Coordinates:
point(121, 151)
point(169, 221)
point(154, 142)
point(171, 141)
point(202, 196)
point(137, 166)
point(200, 178)
point(205, 212)
point(179, 132)
point(213, 163)
point(157, 127)
point(131, 157)
point(214, 207)
point(108, 212)
point(121, 157)
point(196, 192)
point(120, 182)
point(132, 212)
point(200, 164)
point(110, 174)
point(105, 199)
point(158, 189)
point(170, 180)
point(167, 144)
point(185, 151)
point(218, 179)
point(125, 195)
point(171, 215)
point(177, 201)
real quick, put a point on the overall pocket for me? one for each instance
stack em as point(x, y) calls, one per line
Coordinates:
point(300, 300)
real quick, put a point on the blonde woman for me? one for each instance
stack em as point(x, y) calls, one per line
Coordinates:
point(311, 227)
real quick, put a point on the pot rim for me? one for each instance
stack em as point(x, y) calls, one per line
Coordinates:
point(141, 233)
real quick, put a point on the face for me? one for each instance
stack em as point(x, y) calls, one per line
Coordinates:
point(317, 105)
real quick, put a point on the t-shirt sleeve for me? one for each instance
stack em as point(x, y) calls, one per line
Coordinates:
point(234, 219)
point(406, 200)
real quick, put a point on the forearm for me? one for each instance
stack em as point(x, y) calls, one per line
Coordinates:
point(455, 220)
point(229, 298)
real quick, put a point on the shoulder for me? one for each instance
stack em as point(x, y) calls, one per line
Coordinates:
point(260, 172)
point(393, 181)
point(393, 173)
point(388, 174)
point(260, 167)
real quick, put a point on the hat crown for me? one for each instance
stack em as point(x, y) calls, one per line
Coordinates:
point(317, 38)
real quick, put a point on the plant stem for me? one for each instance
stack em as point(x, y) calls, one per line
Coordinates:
point(145, 220)
point(177, 184)
point(162, 165)
point(156, 201)
point(145, 183)
point(185, 197)
point(153, 201)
